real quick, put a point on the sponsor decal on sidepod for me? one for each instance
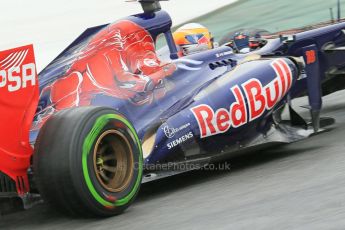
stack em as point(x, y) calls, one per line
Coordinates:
point(180, 140)
point(260, 99)
point(170, 133)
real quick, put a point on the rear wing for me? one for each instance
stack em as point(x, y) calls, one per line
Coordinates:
point(18, 102)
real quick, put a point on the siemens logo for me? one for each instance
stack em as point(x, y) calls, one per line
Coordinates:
point(180, 140)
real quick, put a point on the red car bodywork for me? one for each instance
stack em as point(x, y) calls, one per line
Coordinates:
point(18, 103)
point(119, 62)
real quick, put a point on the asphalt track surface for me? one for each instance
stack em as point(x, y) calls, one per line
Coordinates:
point(296, 186)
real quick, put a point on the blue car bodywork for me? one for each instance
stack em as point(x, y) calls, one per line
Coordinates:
point(216, 102)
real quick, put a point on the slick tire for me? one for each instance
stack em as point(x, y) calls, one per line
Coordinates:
point(88, 162)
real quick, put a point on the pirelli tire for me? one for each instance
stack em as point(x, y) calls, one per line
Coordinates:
point(88, 162)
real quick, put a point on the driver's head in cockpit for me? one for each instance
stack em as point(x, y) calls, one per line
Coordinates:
point(242, 42)
point(193, 38)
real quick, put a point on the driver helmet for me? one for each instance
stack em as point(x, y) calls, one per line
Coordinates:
point(192, 38)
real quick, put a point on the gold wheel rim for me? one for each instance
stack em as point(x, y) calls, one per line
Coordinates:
point(113, 161)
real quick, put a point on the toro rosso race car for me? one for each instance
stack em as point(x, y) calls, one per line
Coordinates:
point(108, 114)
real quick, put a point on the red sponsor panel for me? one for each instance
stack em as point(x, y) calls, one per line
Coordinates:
point(18, 103)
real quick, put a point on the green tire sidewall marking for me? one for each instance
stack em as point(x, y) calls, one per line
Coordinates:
point(87, 145)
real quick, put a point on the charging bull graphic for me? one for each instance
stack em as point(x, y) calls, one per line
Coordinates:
point(119, 62)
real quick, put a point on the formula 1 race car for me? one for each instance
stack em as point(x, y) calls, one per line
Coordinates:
point(108, 114)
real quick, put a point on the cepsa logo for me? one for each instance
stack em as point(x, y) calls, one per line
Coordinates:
point(17, 69)
point(259, 99)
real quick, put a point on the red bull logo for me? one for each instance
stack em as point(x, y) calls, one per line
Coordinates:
point(258, 97)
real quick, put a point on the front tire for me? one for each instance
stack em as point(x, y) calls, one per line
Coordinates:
point(88, 161)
